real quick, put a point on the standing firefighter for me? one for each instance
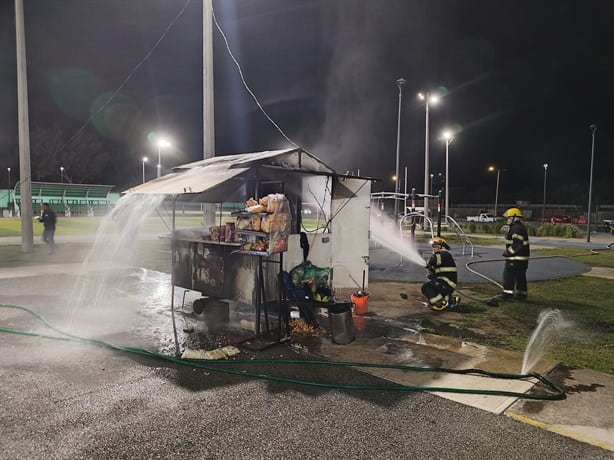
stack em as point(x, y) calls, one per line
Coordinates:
point(442, 277)
point(516, 255)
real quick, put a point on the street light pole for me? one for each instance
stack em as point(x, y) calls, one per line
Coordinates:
point(9, 188)
point(497, 192)
point(400, 83)
point(161, 143)
point(428, 99)
point(544, 205)
point(159, 166)
point(144, 161)
point(491, 169)
point(431, 187)
point(61, 174)
point(593, 128)
point(449, 138)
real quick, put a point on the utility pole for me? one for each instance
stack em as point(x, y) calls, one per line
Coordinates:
point(400, 83)
point(25, 174)
point(593, 128)
point(208, 101)
point(208, 88)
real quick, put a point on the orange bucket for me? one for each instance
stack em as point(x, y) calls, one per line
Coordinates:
point(361, 303)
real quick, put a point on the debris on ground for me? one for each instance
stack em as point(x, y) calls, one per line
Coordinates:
point(220, 353)
point(301, 327)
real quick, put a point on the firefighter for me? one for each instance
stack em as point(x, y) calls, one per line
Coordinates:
point(442, 277)
point(516, 255)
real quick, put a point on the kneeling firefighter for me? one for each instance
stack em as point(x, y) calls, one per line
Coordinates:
point(442, 277)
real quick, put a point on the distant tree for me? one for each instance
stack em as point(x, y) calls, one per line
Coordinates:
point(82, 156)
point(45, 146)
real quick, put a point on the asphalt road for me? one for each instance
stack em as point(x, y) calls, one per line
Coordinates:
point(68, 400)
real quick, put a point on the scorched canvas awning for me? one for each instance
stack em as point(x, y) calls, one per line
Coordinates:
point(205, 175)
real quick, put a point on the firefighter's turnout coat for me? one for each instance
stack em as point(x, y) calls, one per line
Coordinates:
point(517, 242)
point(443, 277)
point(516, 255)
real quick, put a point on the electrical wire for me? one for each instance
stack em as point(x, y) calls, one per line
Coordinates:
point(129, 77)
point(245, 85)
point(225, 366)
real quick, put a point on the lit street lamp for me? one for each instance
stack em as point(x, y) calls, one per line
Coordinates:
point(144, 161)
point(447, 135)
point(593, 128)
point(162, 143)
point(61, 174)
point(544, 205)
point(491, 169)
point(400, 83)
point(428, 99)
point(431, 188)
point(9, 188)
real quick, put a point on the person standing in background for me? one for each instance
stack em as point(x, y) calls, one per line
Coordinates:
point(48, 218)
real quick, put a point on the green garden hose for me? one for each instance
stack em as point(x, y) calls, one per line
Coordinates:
point(227, 366)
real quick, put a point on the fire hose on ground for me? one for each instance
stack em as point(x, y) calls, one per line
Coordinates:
point(492, 300)
point(229, 366)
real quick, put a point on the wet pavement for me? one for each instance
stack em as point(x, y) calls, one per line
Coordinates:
point(474, 264)
point(72, 400)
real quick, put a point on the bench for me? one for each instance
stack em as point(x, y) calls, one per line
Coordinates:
point(69, 199)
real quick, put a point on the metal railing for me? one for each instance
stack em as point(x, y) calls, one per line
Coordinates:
point(462, 236)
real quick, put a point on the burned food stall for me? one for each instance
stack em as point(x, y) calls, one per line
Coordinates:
point(207, 260)
point(263, 213)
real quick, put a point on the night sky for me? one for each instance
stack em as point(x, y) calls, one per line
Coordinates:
point(522, 81)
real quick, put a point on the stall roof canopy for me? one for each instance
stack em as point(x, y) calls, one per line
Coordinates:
point(200, 176)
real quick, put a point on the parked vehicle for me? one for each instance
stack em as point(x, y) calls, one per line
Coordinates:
point(558, 219)
point(482, 217)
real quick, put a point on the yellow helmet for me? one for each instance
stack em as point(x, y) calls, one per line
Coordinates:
point(439, 241)
point(513, 212)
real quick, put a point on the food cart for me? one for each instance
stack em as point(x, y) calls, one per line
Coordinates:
point(259, 229)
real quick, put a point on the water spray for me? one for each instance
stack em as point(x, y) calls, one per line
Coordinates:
point(384, 231)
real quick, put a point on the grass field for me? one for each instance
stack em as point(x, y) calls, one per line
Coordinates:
point(76, 226)
point(582, 301)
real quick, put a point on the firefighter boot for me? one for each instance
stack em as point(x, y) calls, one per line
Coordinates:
point(441, 305)
point(456, 300)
